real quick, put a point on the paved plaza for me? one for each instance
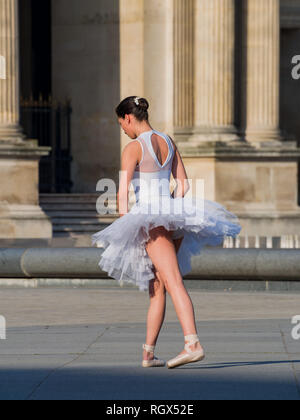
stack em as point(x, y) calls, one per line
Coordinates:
point(87, 344)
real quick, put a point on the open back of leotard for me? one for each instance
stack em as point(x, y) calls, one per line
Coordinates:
point(152, 177)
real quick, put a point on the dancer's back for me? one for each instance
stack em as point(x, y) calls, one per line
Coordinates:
point(151, 176)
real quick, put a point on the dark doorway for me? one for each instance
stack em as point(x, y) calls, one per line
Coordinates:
point(42, 118)
point(35, 48)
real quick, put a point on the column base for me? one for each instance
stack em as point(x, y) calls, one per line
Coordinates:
point(20, 214)
point(24, 222)
point(183, 134)
point(11, 134)
point(224, 134)
point(265, 137)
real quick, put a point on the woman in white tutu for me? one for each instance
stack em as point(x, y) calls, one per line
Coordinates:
point(152, 244)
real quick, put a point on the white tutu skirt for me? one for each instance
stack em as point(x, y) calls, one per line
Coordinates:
point(199, 222)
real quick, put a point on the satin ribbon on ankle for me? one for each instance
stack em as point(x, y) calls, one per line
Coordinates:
point(149, 349)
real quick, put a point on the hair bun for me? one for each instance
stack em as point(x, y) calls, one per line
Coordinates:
point(143, 103)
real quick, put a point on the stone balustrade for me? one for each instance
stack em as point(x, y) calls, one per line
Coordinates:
point(213, 263)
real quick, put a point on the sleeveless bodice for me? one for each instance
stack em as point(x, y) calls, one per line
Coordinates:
point(151, 179)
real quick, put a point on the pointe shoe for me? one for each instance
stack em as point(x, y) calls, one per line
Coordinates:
point(154, 362)
point(190, 356)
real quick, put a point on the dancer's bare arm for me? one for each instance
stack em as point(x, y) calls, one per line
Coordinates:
point(128, 164)
point(179, 174)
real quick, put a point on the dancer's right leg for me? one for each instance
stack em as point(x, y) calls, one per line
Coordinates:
point(162, 253)
point(156, 313)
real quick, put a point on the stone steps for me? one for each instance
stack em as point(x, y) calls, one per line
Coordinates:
point(75, 217)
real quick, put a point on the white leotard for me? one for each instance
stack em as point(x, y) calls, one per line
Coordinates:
point(151, 179)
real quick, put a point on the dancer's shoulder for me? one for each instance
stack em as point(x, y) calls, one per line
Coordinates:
point(173, 143)
point(131, 151)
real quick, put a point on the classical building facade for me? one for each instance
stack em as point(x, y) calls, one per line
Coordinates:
point(220, 79)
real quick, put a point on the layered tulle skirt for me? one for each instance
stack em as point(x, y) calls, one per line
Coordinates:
point(199, 222)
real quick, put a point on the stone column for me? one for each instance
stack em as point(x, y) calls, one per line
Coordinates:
point(132, 56)
point(261, 74)
point(215, 71)
point(20, 214)
point(184, 37)
point(9, 85)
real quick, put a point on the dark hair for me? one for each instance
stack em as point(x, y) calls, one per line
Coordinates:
point(134, 105)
